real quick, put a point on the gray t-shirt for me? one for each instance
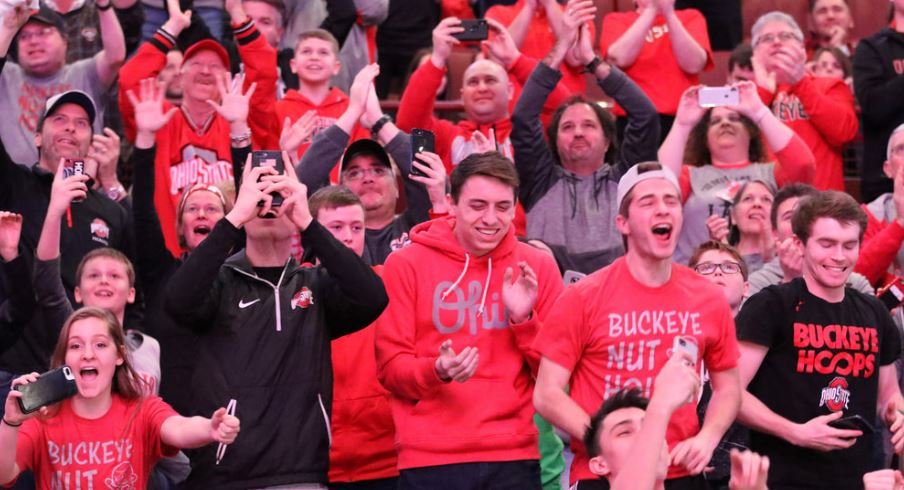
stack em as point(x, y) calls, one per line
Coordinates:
point(712, 190)
point(22, 99)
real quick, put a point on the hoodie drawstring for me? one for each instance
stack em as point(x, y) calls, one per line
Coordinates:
point(486, 285)
point(460, 277)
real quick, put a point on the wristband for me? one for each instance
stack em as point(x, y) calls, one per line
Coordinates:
point(104, 7)
point(385, 118)
point(11, 425)
point(593, 65)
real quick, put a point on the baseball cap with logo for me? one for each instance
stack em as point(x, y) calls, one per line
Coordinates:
point(76, 97)
point(639, 173)
point(365, 147)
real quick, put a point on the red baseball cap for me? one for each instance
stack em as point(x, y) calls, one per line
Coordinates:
point(208, 45)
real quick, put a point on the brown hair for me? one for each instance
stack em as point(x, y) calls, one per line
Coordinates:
point(126, 381)
point(835, 205)
point(606, 120)
point(277, 5)
point(741, 55)
point(332, 197)
point(697, 150)
point(842, 59)
point(717, 246)
point(321, 34)
point(490, 164)
point(110, 253)
point(789, 191)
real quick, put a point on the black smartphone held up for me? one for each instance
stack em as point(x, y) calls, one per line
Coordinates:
point(73, 167)
point(273, 159)
point(892, 294)
point(421, 140)
point(51, 387)
point(474, 30)
point(854, 422)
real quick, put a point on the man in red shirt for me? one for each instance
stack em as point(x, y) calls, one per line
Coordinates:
point(662, 49)
point(820, 110)
point(617, 327)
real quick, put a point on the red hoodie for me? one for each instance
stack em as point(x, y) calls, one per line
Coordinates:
point(294, 105)
point(363, 434)
point(490, 416)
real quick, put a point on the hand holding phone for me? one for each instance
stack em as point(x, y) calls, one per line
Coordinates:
point(269, 159)
point(718, 96)
point(421, 140)
point(853, 422)
point(892, 294)
point(474, 30)
point(72, 167)
point(51, 387)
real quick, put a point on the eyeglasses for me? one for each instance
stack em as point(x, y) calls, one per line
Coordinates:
point(784, 37)
point(36, 33)
point(707, 268)
point(359, 173)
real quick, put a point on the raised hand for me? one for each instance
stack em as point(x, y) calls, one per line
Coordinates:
point(689, 110)
point(519, 295)
point(65, 190)
point(250, 194)
point(501, 46)
point(749, 470)
point(13, 413)
point(10, 232)
point(372, 110)
point(749, 101)
point(104, 151)
point(577, 13)
point(443, 40)
point(294, 134)
point(790, 258)
point(224, 428)
point(234, 104)
point(148, 105)
point(789, 64)
point(456, 367)
point(434, 178)
point(295, 196)
point(763, 76)
point(481, 143)
point(178, 20)
point(360, 89)
point(17, 16)
point(718, 228)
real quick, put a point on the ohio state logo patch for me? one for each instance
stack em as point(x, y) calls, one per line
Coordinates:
point(100, 232)
point(303, 298)
point(836, 396)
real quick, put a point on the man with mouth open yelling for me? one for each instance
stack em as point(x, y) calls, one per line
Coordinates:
point(814, 351)
point(618, 327)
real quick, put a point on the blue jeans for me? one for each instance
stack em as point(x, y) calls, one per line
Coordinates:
point(154, 18)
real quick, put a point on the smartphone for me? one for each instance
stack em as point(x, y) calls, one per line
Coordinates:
point(421, 140)
point(718, 96)
point(51, 387)
point(892, 294)
point(474, 30)
point(686, 344)
point(571, 277)
point(853, 422)
point(273, 159)
point(73, 167)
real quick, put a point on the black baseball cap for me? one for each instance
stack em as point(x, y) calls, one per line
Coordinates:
point(48, 16)
point(365, 147)
point(69, 97)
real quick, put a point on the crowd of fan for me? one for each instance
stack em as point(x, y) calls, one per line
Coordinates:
point(224, 238)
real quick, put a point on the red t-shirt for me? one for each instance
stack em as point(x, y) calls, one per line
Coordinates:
point(656, 70)
point(115, 451)
point(613, 332)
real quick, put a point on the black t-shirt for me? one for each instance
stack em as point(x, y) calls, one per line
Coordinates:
point(378, 244)
point(823, 357)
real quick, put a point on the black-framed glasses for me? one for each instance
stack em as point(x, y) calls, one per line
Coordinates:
point(707, 268)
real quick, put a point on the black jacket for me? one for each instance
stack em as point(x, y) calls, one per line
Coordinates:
point(268, 347)
point(879, 86)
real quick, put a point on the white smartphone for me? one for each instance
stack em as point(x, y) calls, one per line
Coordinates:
point(718, 96)
point(687, 344)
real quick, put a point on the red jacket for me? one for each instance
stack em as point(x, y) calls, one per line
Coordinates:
point(490, 416)
point(363, 433)
point(821, 111)
point(881, 243)
point(187, 155)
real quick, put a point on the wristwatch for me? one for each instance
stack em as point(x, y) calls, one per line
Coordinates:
point(116, 193)
point(593, 65)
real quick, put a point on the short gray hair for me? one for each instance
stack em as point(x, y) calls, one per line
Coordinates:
point(899, 129)
point(774, 16)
